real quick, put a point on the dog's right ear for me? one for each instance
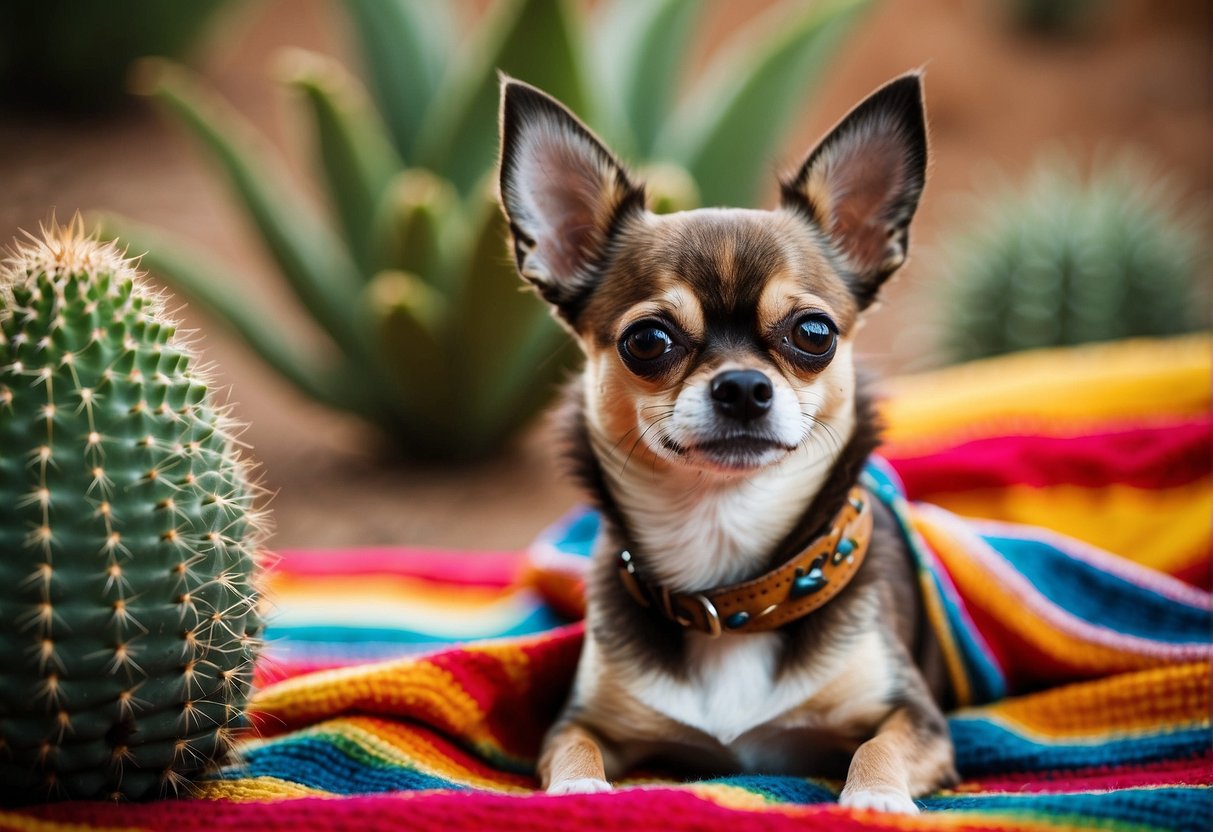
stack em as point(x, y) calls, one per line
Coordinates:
point(860, 186)
point(564, 195)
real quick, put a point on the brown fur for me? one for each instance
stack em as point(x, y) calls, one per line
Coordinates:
point(570, 753)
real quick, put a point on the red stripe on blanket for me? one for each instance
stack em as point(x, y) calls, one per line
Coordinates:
point(1194, 772)
point(1143, 457)
point(1197, 572)
point(492, 569)
point(648, 808)
point(521, 689)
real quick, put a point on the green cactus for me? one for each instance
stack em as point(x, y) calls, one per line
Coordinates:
point(129, 610)
point(1066, 261)
point(431, 337)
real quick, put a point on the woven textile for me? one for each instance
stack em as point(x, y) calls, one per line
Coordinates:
point(1087, 674)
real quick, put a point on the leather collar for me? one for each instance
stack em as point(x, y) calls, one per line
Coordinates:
point(801, 585)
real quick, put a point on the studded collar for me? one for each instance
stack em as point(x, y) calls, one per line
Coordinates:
point(804, 583)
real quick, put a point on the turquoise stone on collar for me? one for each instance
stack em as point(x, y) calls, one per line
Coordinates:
point(806, 583)
point(845, 550)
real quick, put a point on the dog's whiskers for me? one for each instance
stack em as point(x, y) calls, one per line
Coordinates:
point(640, 439)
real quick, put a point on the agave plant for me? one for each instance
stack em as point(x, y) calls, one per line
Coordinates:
point(1066, 260)
point(409, 278)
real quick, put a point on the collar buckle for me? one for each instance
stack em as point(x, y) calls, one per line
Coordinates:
point(711, 618)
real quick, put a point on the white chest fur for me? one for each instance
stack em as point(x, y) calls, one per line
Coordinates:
point(731, 686)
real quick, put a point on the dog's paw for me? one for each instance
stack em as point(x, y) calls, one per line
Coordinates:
point(879, 800)
point(580, 785)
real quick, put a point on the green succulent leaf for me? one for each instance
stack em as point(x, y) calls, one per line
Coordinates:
point(529, 381)
point(636, 52)
point(213, 287)
point(408, 318)
point(529, 39)
point(727, 130)
point(313, 260)
point(669, 188)
point(505, 332)
point(416, 224)
point(354, 151)
point(405, 45)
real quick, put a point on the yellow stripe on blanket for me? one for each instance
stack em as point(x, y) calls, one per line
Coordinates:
point(391, 685)
point(360, 603)
point(255, 789)
point(1118, 518)
point(17, 821)
point(396, 588)
point(1164, 698)
point(1051, 392)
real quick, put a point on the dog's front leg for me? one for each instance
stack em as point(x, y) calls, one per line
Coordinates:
point(909, 757)
point(571, 761)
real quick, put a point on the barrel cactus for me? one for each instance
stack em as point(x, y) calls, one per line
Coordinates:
point(1067, 260)
point(129, 609)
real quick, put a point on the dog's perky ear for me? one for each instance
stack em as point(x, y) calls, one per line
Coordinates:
point(563, 192)
point(861, 184)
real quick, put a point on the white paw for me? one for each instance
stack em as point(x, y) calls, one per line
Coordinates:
point(879, 800)
point(579, 785)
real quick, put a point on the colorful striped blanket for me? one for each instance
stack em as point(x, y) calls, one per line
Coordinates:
point(410, 689)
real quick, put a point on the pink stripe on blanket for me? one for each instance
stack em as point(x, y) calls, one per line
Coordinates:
point(670, 810)
point(1193, 772)
point(1151, 457)
point(491, 569)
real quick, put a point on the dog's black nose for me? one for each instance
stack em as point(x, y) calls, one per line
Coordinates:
point(742, 394)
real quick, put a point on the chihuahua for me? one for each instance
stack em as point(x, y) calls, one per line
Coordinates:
point(750, 608)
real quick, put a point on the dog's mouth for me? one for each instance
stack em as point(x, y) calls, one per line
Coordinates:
point(734, 453)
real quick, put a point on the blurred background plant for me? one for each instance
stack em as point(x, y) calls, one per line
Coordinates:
point(433, 341)
point(1064, 258)
point(68, 55)
point(1133, 74)
point(1053, 17)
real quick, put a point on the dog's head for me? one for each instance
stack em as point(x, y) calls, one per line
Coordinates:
point(716, 338)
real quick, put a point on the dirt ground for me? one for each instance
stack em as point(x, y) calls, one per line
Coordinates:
point(1139, 76)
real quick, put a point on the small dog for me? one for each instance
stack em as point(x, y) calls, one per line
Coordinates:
point(750, 608)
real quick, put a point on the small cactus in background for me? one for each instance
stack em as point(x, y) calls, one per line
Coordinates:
point(129, 610)
point(1066, 261)
point(427, 333)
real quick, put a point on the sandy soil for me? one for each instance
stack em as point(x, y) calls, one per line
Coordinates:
point(1140, 76)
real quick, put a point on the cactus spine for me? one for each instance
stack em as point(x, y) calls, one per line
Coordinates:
point(129, 611)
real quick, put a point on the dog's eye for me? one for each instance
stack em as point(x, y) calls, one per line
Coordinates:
point(647, 342)
point(815, 335)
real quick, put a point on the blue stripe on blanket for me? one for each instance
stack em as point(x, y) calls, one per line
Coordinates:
point(1159, 808)
point(319, 762)
point(984, 747)
point(1100, 597)
point(538, 621)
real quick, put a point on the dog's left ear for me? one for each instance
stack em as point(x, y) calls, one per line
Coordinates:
point(861, 184)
